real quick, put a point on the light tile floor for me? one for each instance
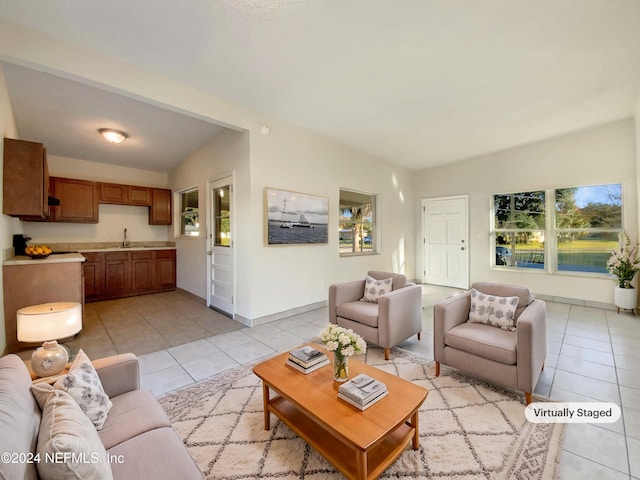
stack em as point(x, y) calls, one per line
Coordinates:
point(593, 355)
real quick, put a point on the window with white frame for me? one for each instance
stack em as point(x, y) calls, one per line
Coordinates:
point(519, 220)
point(189, 218)
point(587, 223)
point(580, 226)
point(357, 224)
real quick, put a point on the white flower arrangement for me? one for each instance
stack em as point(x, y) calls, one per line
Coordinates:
point(344, 342)
point(623, 262)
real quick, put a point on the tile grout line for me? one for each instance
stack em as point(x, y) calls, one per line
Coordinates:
point(624, 426)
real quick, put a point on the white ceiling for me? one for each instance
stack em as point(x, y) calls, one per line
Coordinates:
point(66, 115)
point(416, 82)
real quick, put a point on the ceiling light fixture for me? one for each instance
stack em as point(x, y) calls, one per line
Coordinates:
point(113, 136)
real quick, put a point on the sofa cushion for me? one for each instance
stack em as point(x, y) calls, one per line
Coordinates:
point(374, 288)
point(132, 413)
point(361, 312)
point(84, 386)
point(19, 417)
point(493, 310)
point(484, 341)
point(157, 454)
point(68, 444)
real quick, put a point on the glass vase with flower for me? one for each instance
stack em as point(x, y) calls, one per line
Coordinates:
point(343, 343)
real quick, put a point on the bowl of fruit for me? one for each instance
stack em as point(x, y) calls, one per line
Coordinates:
point(37, 251)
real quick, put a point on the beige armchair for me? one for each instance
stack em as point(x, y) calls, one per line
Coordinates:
point(513, 359)
point(396, 316)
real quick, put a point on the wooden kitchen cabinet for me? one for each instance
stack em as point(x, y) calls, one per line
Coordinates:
point(94, 276)
point(165, 277)
point(78, 200)
point(25, 179)
point(142, 271)
point(117, 281)
point(111, 275)
point(124, 194)
point(160, 210)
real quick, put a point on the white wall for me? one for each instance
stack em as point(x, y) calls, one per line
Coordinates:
point(228, 152)
point(600, 155)
point(273, 279)
point(8, 225)
point(113, 219)
point(291, 158)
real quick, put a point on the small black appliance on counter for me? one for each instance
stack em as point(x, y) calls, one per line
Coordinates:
point(20, 243)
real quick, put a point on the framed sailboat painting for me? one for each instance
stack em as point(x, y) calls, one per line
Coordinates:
point(293, 218)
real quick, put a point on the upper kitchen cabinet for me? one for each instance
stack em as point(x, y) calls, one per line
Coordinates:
point(160, 211)
point(124, 194)
point(78, 200)
point(25, 179)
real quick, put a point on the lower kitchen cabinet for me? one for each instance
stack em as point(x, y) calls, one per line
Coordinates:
point(165, 264)
point(117, 267)
point(142, 271)
point(122, 274)
point(93, 269)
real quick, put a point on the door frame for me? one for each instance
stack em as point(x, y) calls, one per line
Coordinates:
point(425, 201)
point(231, 181)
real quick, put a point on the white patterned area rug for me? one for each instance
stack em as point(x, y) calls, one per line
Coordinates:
point(468, 430)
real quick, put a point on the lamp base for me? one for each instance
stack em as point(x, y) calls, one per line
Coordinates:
point(50, 359)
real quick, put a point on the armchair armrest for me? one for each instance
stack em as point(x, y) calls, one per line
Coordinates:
point(344, 292)
point(119, 373)
point(447, 314)
point(532, 344)
point(403, 309)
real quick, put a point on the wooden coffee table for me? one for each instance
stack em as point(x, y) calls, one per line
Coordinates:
point(360, 444)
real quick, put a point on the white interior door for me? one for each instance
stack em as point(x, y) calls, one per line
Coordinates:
point(221, 278)
point(446, 243)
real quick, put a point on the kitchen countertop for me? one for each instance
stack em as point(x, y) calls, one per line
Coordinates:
point(123, 249)
point(59, 258)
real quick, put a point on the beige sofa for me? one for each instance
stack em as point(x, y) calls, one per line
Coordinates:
point(137, 435)
point(513, 359)
point(396, 317)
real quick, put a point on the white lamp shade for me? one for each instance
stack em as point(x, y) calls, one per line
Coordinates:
point(49, 321)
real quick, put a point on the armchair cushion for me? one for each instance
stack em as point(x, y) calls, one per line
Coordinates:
point(493, 310)
point(361, 312)
point(484, 341)
point(374, 288)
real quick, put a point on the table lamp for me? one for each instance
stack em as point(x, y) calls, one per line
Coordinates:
point(47, 323)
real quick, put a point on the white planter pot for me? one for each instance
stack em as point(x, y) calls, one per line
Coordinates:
point(626, 298)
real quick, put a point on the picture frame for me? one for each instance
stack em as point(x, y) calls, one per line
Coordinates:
point(294, 218)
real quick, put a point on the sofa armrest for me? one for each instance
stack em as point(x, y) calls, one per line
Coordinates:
point(340, 293)
point(532, 344)
point(119, 373)
point(399, 315)
point(447, 314)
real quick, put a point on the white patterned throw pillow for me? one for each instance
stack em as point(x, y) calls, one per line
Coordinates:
point(493, 310)
point(84, 386)
point(374, 288)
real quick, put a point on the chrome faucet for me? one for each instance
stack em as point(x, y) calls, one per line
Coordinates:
point(125, 242)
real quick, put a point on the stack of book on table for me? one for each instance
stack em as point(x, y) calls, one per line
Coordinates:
point(362, 391)
point(307, 359)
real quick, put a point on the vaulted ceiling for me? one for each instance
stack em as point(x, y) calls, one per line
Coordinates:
point(416, 82)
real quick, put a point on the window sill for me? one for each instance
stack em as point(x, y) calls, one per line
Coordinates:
point(359, 254)
point(563, 273)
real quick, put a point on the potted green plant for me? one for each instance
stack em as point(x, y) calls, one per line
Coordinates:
point(624, 265)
